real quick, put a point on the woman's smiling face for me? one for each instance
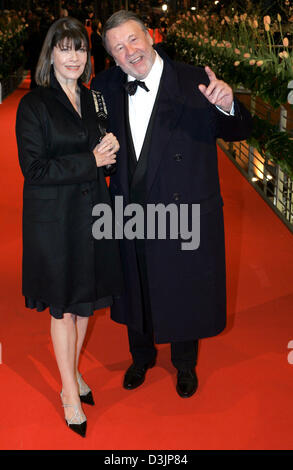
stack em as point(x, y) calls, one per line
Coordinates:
point(69, 63)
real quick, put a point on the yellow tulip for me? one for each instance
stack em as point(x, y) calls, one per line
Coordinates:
point(267, 20)
point(284, 55)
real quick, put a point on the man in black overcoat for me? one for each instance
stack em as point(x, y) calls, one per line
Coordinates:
point(167, 124)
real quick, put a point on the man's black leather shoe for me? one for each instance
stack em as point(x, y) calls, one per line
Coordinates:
point(186, 383)
point(135, 375)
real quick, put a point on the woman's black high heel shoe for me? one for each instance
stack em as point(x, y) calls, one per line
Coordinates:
point(75, 423)
point(85, 393)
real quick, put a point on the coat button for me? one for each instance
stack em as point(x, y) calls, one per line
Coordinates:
point(178, 157)
point(84, 192)
point(176, 196)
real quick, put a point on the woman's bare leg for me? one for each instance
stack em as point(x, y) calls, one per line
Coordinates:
point(81, 328)
point(64, 338)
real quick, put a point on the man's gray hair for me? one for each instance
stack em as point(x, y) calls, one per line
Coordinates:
point(118, 18)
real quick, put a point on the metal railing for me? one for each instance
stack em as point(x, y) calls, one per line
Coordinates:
point(273, 184)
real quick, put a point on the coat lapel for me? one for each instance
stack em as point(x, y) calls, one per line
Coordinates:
point(132, 160)
point(60, 94)
point(140, 171)
point(169, 109)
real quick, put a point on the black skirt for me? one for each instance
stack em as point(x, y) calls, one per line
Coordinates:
point(85, 309)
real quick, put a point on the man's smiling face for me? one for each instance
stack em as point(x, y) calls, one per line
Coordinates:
point(131, 48)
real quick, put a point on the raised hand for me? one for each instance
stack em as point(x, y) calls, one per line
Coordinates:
point(217, 92)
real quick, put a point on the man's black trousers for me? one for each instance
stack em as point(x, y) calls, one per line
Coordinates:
point(142, 346)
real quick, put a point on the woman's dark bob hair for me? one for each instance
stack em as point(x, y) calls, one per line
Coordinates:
point(62, 30)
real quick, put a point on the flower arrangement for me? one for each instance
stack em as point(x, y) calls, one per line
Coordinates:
point(249, 52)
point(245, 51)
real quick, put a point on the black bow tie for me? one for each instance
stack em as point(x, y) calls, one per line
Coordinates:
point(131, 87)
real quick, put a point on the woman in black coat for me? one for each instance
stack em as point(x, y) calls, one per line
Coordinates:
point(64, 267)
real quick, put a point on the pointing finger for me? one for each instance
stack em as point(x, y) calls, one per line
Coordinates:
point(210, 73)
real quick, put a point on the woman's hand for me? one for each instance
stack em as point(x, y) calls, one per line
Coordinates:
point(105, 151)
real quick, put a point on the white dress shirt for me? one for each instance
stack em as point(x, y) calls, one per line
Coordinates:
point(140, 105)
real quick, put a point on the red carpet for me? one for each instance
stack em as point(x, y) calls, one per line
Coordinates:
point(245, 391)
